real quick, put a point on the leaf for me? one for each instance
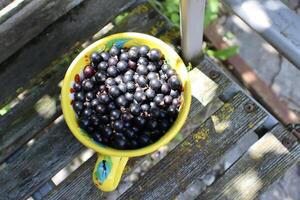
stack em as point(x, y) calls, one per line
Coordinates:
point(175, 18)
point(224, 54)
point(211, 11)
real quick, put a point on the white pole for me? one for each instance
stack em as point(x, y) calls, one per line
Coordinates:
point(191, 28)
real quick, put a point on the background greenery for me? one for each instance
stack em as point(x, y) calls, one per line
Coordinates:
point(212, 10)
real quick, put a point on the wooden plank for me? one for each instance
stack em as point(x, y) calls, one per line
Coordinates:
point(203, 106)
point(34, 175)
point(17, 129)
point(264, 163)
point(30, 21)
point(199, 152)
point(252, 81)
point(36, 113)
point(34, 164)
point(83, 21)
point(4, 3)
point(8, 8)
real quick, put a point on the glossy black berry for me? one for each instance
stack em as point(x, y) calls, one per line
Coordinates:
point(121, 101)
point(107, 132)
point(111, 106)
point(130, 86)
point(77, 87)
point(174, 93)
point(87, 112)
point(127, 78)
point(152, 75)
point(88, 71)
point(159, 100)
point(145, 107)
point(151, 67)
point(114, 91)
point(105, 56)
point(79, 96)
point(165, 67)
point(118, 125)
point(144, 50)
point(95, 57)
point(78, 106)
point(100, 108)
point(140, 121)
point(132, 64)
point(122, 66)
point(129, 96)
point(133, 54)
point(100, 77)
point(115, 114)
point(142, 70)
point(154, 54)
point(143, 61)
point(170, 72)
point(89, 96)
point(87, 85)
point(142, 81)
point(129, 134)
point(140, 96)
point(124, 56)
point(155, 84)
point(102, 66)
point(122, 87)
point(119, 143)
point(165, 88)
point(84, 122)
point(135, 109)
point(126, 117)
point(110, 82)
point(112, 61)
point(95, 102)
point(174, 82)
point(168, 99)
point(114, 51)
point(104, 98)
point(112, 71)
point(150, 93)
point(144, 140)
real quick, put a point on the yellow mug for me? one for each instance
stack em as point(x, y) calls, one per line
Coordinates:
point(111, 162)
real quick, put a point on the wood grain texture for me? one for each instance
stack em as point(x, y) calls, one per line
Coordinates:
point(264, 162)
point(30, 21)
point(198, 152)
point(33, 165)
point(57, 39)
point(35, 110)
point(73, 185)
point(9, 8)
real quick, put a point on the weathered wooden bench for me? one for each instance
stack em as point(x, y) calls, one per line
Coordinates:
point(38, 41)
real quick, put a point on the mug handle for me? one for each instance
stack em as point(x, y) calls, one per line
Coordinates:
point(108, 172)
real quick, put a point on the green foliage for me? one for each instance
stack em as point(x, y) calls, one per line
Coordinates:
point(5, 109)
point(171, 9)
point(223, 54)
point(211, 11)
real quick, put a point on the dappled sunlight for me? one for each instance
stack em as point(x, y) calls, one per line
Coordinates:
point(243, 182)
point(249, 77)
point(46, 106)
point(14, 4)
point(264, 22)
point(72, 166)
point(203, 88)
point(30, 142)
point(268, 144)
point(220, 126)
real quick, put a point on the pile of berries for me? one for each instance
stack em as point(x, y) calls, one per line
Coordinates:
point(128, 98)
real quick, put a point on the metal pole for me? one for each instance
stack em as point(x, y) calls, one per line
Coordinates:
point(191, 28)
